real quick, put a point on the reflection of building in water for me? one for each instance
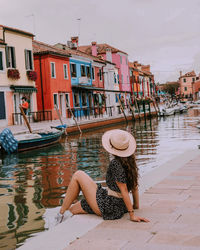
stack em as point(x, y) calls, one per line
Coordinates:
point(56, 174)
point(88, 157)
point(147, 140)
point(20, 216)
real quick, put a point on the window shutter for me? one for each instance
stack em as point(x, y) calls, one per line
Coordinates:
point(26, 59)
point(1, 60)
point(7, 57)
point(13, 57)
point(30, 59)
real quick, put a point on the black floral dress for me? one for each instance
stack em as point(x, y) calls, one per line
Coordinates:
point(111, 207)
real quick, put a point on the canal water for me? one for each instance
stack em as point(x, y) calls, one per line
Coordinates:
point(33, 181)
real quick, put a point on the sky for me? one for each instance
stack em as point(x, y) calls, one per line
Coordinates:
point(162, 33)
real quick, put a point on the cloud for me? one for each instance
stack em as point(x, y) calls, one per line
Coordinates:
point(162, 33)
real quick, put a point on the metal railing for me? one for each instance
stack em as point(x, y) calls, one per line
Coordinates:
point(37, 116)
point(90, 112)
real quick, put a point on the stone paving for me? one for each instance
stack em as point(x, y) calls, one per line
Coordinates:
point(173, 207)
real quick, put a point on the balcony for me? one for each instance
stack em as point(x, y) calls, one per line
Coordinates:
point(83, 79)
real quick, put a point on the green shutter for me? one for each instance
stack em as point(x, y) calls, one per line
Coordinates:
point(26, 59)
point(1, 60)
point(13, 57)
point(7, 57)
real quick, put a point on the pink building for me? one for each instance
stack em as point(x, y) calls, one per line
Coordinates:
point(186, 84)
point(119, 57)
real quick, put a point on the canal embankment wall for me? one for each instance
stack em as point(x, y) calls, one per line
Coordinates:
point(83, 124)
point(169, 198)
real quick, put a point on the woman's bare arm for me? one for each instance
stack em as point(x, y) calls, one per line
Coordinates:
point(127, 201)
point(135, 194)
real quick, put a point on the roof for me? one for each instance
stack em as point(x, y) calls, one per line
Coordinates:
point(43, 48)
point(16, 30)
point(78, 52)
point(135, 65)
point(101, 49)
point(189, 74)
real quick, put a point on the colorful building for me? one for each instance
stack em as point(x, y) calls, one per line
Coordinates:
point(186, 84)
point(142, 80)
point(120, 59)
point(87, 78)
point(54, 79)
point(17, 75)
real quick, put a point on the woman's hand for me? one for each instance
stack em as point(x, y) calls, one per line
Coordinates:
point(138, 219)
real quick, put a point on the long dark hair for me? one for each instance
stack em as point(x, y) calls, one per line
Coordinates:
point(131, 170)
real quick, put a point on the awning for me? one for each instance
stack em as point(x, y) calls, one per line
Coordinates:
point(98, 89)
point(23, 89)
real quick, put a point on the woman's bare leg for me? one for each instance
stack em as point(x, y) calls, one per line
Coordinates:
point(81, 180)
point(77, 209)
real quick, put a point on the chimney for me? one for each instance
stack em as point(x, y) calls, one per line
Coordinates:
point(180, 73)
point(94, 48)
point(74, 42)
point(108, 55)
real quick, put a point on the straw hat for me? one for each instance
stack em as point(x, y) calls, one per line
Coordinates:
point(119, 142)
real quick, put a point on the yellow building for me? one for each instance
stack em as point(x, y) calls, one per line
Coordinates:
point(17, 73)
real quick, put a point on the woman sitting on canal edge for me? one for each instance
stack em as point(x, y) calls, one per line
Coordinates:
point(121, 178)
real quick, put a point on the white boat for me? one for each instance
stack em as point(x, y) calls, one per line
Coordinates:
point(167, 111)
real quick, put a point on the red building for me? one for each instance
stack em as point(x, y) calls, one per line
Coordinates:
point(53, 82)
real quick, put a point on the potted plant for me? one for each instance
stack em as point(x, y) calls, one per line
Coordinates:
point(32, 75)
point(13, 74)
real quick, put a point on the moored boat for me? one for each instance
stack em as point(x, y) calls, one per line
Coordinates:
point(23, 142)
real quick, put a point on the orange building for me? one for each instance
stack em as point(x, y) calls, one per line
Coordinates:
point(134, 78)
point(54, 80)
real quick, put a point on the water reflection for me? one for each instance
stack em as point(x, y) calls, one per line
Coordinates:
point(33, 181)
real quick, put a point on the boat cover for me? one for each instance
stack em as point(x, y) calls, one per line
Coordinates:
point(8, 141)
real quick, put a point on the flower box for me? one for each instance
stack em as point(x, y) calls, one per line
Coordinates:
point(32, 75)
point(13, 74)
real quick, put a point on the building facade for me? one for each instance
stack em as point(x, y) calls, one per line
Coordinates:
point(54, 79)
point(186, 82)
point(17, 75)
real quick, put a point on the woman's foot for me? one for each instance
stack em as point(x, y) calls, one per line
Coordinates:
point(62, 217)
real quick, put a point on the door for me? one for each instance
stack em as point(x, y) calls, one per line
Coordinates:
point(62, 106)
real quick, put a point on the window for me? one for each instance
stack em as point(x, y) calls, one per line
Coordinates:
point(88, 72)
point(122, 79)
point(10, 57)
point(53, 70)
point(184, 80)
point(185, 88)
point(193, 79)
point(76, 100)
point(121, 59)
point(67, 100)
point(1, 60)
point(83, 70)
point(73, 69)
point(115, 78)
point(28, 59)
point(55, 100)
point(127, 79)
point(93, 73)
point(126, 61)
point(100, 74)
point(65, 69)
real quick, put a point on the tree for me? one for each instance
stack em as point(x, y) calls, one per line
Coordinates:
point(171, 87)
